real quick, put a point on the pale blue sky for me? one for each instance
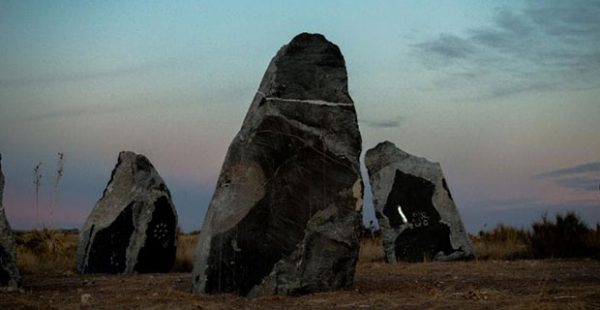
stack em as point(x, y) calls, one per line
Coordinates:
point(500, 93)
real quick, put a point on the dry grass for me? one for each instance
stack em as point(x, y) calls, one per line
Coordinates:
point(371, 251)
point(186, 246)
point(502, 243)
point(54, 251)
point(564, 237)
point(539, 284)
point(46, 251)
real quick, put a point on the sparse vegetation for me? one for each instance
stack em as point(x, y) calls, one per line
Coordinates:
point(37, 182)
point(54, 251)
point(503, 243)
point(60, 164)
point(371, 251)
point(47, 260)
point(566, 236)
point(186, 245)
point(46, 251)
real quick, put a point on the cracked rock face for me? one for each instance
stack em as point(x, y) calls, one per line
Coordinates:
point(133, 226)
point(9, 273)
point(415, 210)
point(285, 217)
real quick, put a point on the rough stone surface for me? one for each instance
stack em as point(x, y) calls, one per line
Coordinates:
point(416, 213)
point(9, 273)
point(286, 213)
point(133, 226)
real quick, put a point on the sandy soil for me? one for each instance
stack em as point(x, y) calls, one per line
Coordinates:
point(562, 284)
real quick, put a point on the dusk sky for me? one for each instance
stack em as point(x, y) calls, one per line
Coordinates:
point(504, 94)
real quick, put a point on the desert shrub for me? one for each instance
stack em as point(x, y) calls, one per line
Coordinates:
point(186, 246)
point(46, 251)
point(371, 250)
point(54, 251)
point(370, 231)
point(593, 241)
point(503, 233)
point(567, 236)
point(504, 242)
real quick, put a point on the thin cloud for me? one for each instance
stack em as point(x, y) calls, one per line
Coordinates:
point(535, 204)
point(577, 177)
point(73, 112)
point(572, 18)
point(88, 111)
point(509, 203)
point(384, 123)
point(580, 183)
point(550, 44)
point(86, 76)
point(447, 46)
point(583, 168)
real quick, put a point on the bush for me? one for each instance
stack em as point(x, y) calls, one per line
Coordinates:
point(504, 242)
point(593, 241)
point(186, 245)
point(46, 251)
point(568, 236)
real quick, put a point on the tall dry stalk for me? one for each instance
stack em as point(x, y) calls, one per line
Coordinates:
point(37, 181)
point(59, 173)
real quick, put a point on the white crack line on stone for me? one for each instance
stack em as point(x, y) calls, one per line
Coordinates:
point(309, 101)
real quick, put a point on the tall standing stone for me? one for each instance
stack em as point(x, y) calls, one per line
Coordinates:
point(9, 273)
point(133, 227)
point(285, 217)
point(416, 213)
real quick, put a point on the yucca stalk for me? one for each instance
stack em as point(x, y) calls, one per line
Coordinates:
point(59, 173)
point(37, 181)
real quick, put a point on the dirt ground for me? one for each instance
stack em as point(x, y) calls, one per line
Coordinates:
point(539, 284)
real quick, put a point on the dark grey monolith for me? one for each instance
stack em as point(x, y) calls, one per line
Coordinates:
point(416, 213)
point(9, 273)
point(285, 217)
point(133, 226)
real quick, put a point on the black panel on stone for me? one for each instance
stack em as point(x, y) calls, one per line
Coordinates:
point(158, 253)
point(426, 236)
point(423, 243)
point(108, 252)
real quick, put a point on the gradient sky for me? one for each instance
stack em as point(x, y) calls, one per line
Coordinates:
point(505, 95)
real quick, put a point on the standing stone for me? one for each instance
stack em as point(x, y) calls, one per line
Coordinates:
point(414, 207)
point(285, 217)
point(133, 226)
point(9, 273)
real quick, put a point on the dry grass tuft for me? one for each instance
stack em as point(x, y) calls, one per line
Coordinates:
point(371, 251)
point(46, 251)
point(54, 251)
point(186, 246)
point(502, 243)
point(565, 236)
